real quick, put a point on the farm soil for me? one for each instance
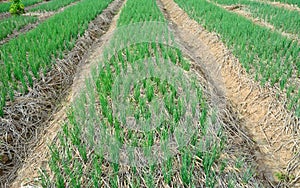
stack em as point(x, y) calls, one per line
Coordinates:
point(4, 15)
point(52, 88)
point(261, 115)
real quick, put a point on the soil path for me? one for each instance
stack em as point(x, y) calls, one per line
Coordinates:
point(264, 117)
point(29, 172)
point(42, 17)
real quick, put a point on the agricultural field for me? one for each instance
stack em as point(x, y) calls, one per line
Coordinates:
point(150, 93)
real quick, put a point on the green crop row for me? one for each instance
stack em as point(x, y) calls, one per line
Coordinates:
point(272, 58)
point(292, 2)
point(281, 18)
point(53, 5)
point(88, 151)
point(8, 25)
point(37, 47)
point(4, 7)
point(134, 13)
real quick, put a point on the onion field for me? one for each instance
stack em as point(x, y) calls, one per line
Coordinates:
point(150, 93)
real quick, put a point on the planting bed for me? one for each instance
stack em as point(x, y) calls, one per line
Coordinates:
point(151, 93)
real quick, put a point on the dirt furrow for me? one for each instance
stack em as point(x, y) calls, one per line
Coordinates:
point(4, 15)
point(264, 118)
point(38, 159)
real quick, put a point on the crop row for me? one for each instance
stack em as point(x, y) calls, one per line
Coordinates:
point(281, 18)
point(53, 5)
point(272, 58)
point(37, 47)
point(134, 13)
point(8, 25)
point(4, 7)
point(292, 2)
point(134, 80)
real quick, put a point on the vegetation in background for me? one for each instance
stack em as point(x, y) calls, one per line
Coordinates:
point(281, 18)
point(292, 2)
point(53, 5)
point(4, 7)
point(17, 7)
